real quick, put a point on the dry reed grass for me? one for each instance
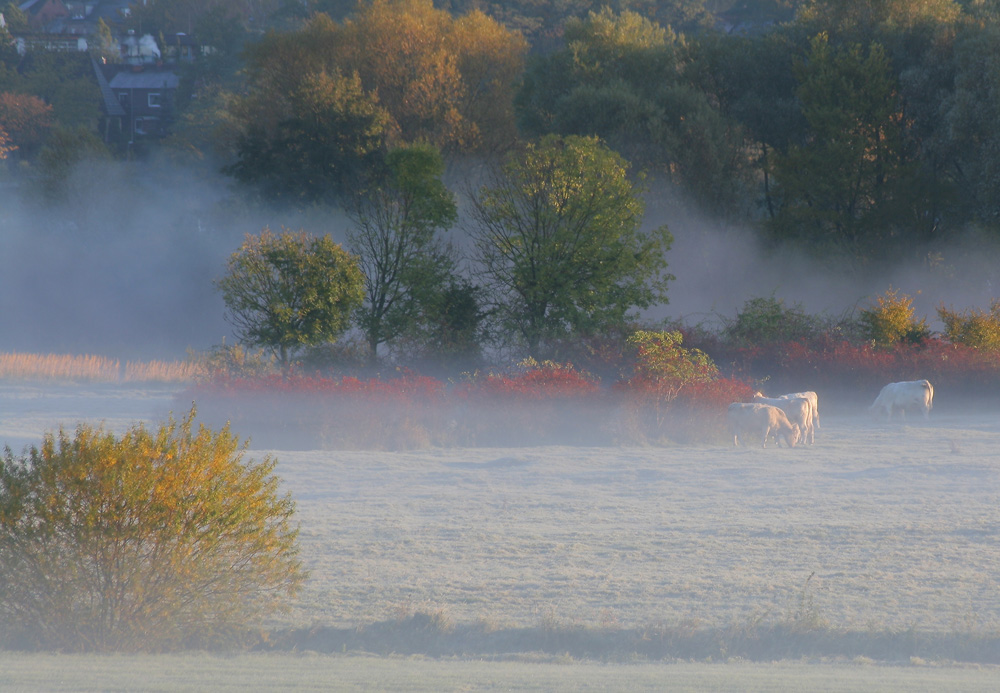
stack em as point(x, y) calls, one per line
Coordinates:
point(89, 368)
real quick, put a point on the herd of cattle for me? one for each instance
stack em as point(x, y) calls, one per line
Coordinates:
point(795, 417)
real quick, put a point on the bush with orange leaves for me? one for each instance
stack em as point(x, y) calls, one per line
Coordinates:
point(152, 541)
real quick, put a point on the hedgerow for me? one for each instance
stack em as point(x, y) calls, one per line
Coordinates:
point(652, 386)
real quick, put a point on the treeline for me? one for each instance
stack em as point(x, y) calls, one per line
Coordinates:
point(857, 128)
point(860, 131)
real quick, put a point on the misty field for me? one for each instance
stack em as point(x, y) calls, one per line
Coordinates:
point(877, 544)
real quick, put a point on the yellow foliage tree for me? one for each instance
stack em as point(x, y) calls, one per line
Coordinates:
point(975, 328)
point(152, 541)
point(890, 320)
point(442, 80)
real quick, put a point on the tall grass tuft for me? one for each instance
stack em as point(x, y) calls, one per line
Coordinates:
point(96, 369)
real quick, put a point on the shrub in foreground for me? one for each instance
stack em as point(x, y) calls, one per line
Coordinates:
point(152, 541)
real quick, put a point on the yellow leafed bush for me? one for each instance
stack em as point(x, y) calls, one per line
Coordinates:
point(155, 540)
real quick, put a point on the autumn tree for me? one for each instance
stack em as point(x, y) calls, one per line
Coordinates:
point(558, 240)
point(159, 539)
point(290, 290)
point(27, 120)
point(854, 17)
point(436, 79)
point(395, 235)
point(5, 145)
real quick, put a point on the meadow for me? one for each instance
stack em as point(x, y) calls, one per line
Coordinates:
point(868, 561)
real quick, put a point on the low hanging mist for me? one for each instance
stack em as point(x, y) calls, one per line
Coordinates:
point(124, 265)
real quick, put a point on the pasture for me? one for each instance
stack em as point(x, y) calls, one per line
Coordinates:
point(876, 546)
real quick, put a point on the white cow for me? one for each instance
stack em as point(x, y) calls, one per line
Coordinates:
point(799, 411)
point(910, 393)
point(761, 421)
point(809, 395)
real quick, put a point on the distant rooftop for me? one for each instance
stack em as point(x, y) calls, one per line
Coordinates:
point(147, 79)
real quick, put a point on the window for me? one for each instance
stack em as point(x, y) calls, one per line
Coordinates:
point(153, 100)
point(123, 98)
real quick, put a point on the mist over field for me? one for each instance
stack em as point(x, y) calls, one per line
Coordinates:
point(719, 266)
point(124, 266)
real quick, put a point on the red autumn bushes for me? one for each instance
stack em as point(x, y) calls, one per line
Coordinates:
point(307, 411)
point(532, 404)
point(840, 366)
point(653, 390)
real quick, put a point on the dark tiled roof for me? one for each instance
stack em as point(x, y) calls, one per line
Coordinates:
point(111, 104)
point(147, 79)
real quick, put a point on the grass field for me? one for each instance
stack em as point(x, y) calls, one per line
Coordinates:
point(309, 672)
point(875, 547)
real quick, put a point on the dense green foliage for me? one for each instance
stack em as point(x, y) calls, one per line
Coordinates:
point(149, 541)
point(397, 219)
point(288, 291)
point(765, 320)
point(557, 237)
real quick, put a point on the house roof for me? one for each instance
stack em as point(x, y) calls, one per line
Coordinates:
point(111, 103)
point(145, 80)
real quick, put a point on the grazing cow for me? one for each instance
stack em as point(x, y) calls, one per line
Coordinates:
point(762, 421)
point(809, 395)
point(910, 393)
point(799, 411)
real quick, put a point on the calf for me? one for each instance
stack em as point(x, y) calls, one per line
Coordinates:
point(799, 411)
point(762, 421)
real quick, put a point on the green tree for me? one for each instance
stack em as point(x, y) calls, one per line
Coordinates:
point(65, 152)
point(397, 220)
point(14, 17)
point(969, 139)
point(150, 541)
point(330, 133)
point(854, 17)
point(626, 80)
point(288, 291)
point(840, 188)
point(558, 241)
point(66, 82)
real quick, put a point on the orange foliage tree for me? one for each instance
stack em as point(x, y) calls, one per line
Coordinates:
point(26, 119)
point(445, 81)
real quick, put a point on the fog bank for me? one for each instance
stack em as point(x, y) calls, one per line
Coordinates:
point(124, 266)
